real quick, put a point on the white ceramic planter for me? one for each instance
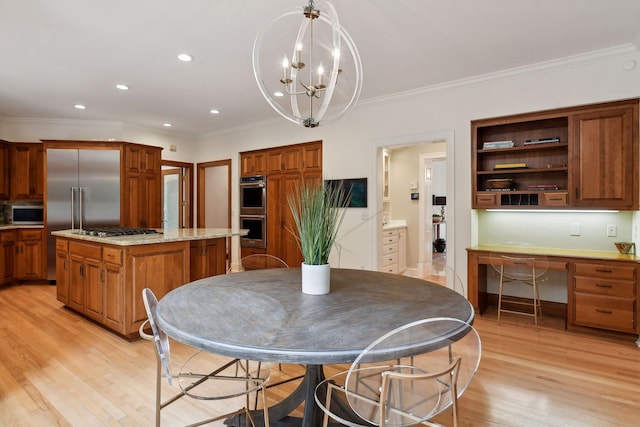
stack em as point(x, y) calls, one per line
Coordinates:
point(316, 279)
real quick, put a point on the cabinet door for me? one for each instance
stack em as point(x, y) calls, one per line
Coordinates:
point(29, 260)
point(4, 170)
point(142, 159)
point(113, 296)
point(292, 159)
point(76, 282)
point(605, 150)
point(253, 163)
point(7, 251)
point(216, 256)
point(62, 276)
point(27, 171)
point(93, 291)
point(197, 266)
point(312, 157)
point(143, 201)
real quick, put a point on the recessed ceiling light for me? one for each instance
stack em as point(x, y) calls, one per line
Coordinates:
point(185, 57)
point(79, 106)
point(122, 87)
point(214, 111)
point(167, 125)
point(278, 94)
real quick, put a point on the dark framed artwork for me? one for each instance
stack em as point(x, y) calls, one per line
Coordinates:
point(358, 187)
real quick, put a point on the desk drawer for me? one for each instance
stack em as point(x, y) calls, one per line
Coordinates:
point(606, 270)
point(605, 286)
point(605, 312)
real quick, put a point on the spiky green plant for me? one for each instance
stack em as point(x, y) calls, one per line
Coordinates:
point(317, 212)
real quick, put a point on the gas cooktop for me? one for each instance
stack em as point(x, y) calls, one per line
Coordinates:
point(116, 231)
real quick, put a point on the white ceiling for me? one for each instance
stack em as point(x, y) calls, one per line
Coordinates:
point(55, 54)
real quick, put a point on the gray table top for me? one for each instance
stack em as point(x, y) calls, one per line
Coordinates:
point(263, 314)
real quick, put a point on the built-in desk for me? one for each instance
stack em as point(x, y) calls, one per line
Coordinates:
point(602, 286)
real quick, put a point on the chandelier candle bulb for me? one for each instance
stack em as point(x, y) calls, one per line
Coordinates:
point(320, 77)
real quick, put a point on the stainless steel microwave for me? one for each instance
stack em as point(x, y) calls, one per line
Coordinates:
point(27, 214)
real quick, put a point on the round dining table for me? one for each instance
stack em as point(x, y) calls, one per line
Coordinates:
point(262, 315)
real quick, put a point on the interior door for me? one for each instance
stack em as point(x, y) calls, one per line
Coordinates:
point(177, 194)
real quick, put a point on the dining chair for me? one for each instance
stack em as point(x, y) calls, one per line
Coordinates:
point(439, 272)
point(196, 378)
point(258, 262)
point(408, 387)
point(526, 270)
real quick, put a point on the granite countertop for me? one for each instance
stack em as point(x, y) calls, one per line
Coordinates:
point(172, 235)
point(17, 226)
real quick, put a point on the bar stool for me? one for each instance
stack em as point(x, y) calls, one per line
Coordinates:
point(527, 270)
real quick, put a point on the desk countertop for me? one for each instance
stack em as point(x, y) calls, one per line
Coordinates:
point(559, 252)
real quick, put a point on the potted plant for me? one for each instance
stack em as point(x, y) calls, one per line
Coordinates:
point(317, 211)
point(436, 218)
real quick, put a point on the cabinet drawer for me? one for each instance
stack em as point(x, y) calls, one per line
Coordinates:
point(486, 200)
point(605, 312)
point(556, 199)
point(387, 240)
point(390, 269)
point(112, 255)
point(389, 259)
point(605, 286)
point(29, 235)
point(7, 236)
point(392, 248)
point(389, 233)
point(606, 270)
point(62, 245)
point(84, 250)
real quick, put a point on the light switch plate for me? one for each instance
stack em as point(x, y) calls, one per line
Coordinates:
point(575, 229)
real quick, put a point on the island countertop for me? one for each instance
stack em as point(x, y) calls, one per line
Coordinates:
point(164, 236)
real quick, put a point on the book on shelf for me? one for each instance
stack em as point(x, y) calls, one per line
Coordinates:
point(543, 187)
point(542, 141)
point(510, 165)
point(501, 189)
point(497, 144)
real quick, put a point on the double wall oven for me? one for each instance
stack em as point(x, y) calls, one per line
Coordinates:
point(253, 211)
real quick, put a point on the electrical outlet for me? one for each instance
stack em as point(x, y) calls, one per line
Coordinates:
point(612, 230)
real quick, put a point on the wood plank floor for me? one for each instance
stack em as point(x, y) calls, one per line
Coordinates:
point(58, 369)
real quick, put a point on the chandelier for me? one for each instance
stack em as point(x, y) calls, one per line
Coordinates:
point(314, 73)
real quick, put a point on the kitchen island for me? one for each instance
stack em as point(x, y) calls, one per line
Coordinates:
point(103, 277)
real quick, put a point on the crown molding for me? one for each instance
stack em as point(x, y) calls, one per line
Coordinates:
point(617, 52)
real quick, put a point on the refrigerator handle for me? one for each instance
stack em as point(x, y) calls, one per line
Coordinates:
point(81, 212)
point(73, 203)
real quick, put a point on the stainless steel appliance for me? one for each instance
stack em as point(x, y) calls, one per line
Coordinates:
point(117, 231)
point(27, 214)
point(253, 195)
point(83, 190)
point(257, 226)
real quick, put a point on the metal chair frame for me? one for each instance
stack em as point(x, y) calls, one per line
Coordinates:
point(163, 367)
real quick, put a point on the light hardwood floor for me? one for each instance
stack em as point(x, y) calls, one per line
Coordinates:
point(58, 369)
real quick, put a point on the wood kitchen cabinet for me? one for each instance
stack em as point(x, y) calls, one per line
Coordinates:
point(585, 157)
point(4, 170)
point(605, 157)
point(85, 280)
point(141, 158)
point(7, 252)
point(143, 207)
point(63, 267)
point(30, 254)
point(280, 241)
point(208, 258)
point(105, 282)
point(603, 295)
point(253, 163)
point(27, 171)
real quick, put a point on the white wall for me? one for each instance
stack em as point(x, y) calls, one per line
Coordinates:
point(349, 145)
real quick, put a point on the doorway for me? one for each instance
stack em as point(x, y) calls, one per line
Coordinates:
point(421, 155)
point(177, 194)
point(214, 194)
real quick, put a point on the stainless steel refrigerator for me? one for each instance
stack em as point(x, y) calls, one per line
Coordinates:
point(83, 190)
